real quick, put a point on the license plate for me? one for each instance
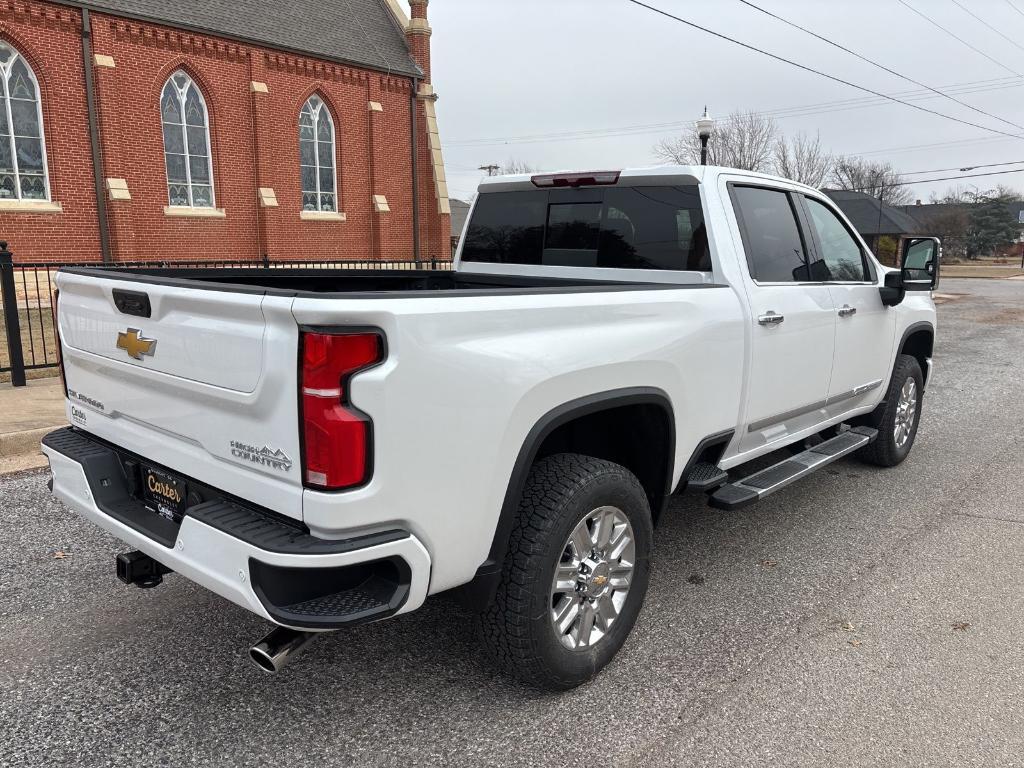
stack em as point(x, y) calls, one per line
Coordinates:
point(167, 494)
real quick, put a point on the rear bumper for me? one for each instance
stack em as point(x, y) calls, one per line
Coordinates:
point(273, 569)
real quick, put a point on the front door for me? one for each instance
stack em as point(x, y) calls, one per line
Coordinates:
point(793, 320)
point(865, 327)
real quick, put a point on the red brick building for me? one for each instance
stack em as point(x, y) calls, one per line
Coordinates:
point(143, 129)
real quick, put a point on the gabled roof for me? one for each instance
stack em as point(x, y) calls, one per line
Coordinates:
point(870, 216)
point(927, 211)
point(359, 32)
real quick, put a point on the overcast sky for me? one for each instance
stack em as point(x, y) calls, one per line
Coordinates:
point(614, 78)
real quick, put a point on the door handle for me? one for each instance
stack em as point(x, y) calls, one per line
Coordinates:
point(770, 318)
point(847, 311)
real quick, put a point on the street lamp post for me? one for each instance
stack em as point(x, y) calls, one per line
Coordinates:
point(705, 127)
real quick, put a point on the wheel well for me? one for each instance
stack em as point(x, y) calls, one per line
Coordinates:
point(637, 436)
point(919, 344)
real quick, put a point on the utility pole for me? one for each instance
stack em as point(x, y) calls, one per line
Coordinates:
point(492, 170)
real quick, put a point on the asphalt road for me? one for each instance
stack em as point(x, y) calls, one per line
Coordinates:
point(862, 617)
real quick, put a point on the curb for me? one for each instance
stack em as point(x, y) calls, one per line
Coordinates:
point(25, 442)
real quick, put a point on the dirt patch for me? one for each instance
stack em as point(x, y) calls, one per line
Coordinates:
point(1008, 316)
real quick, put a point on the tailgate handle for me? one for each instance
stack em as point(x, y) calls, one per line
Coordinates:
point(132, 302)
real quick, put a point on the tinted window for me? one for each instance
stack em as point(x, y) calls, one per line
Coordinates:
point(840, 252)
point(574, 230)
point(507, 227)
point(775, 251)
point(617, 227)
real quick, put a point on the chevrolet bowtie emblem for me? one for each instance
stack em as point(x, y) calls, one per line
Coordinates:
point(132, 342)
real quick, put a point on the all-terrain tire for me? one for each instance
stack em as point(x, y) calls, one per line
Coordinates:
point(560, 492)
point(887, 450)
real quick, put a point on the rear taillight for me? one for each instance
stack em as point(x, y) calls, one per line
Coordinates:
point(586, 179)
point(336, 436)
point(56, 336)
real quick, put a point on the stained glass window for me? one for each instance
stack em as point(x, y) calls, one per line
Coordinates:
point(23, 173)
point(316, 156)
point(186, 143)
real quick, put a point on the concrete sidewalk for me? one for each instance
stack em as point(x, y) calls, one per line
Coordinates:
point(26, 414)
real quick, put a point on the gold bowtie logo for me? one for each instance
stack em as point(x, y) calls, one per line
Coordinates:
point(132, 342)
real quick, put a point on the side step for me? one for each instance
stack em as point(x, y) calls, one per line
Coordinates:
point(744, 492)
point(705, 476)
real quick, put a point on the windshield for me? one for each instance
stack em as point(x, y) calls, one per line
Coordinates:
point(609, 227)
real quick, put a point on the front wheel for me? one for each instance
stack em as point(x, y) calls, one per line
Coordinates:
point(576, 573)
point(897, 426)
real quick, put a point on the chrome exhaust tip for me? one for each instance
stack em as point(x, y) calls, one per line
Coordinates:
point(275, 651)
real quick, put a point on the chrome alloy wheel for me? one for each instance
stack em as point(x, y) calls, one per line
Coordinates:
point(593, 577)
point(906, 412)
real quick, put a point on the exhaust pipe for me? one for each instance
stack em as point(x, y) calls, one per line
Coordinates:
point(276, 650)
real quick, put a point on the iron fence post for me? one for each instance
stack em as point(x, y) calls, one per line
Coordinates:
point(11, 320)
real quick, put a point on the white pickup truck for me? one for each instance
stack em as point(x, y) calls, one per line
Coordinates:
point(328, 447)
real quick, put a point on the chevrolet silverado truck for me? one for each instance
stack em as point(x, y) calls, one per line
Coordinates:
point(331, 447)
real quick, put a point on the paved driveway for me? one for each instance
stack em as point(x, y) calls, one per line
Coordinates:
point(863, 617)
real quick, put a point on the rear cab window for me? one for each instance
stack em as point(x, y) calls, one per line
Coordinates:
point(640, 227)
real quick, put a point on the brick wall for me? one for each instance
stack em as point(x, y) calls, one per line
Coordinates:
point(254, 144)
point(49, 38)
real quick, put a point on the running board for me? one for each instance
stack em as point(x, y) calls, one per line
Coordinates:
point(744, 492)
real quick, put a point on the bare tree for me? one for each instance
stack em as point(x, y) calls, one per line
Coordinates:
point(801, 158)
point(744, 140)
point(515, 165)
point(880, 180)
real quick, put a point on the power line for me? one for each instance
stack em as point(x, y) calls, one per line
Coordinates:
point(943, 178)
point(818, 72)
point(806, 110)
point(963, 169)
point(1018, 10)
point(882, 67)
point(956, 37)
point(980, 20)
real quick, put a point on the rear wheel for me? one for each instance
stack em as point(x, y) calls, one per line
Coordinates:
point(897, 426)
point(576, 574)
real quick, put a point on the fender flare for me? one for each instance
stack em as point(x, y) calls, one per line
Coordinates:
point(480, 591)
point(921, 325)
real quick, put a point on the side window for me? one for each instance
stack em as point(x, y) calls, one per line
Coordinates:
point(316, 156)
point(771, 237)
point(840, 252)
point(22, 149)
point(186, 143)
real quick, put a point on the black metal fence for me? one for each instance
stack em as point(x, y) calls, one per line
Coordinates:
point(29, 342)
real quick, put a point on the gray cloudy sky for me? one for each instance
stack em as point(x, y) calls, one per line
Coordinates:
point(610, 79)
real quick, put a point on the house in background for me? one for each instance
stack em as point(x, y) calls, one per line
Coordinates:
point(955, 217)
point(881, 225)
point(460, 212)
point(145, 130)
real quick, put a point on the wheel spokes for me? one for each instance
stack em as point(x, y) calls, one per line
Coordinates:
point(566, 613)
point(587, 616)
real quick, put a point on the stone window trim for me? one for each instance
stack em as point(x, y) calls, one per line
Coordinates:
point(191, 212)
point(31, 206)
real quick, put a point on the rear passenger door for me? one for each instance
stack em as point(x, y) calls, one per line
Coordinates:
point(793, 318)
point(865, 328)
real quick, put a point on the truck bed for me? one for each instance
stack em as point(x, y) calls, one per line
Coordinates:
point(365, 283)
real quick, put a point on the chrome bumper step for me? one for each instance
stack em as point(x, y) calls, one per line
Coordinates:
point(755, 487)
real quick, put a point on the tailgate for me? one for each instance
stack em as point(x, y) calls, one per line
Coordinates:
point(205, 384)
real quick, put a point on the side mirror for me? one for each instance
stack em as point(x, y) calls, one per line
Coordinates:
point(892, 290)
point(920, 263)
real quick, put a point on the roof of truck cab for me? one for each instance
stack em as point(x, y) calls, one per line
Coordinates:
point(683, 174)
